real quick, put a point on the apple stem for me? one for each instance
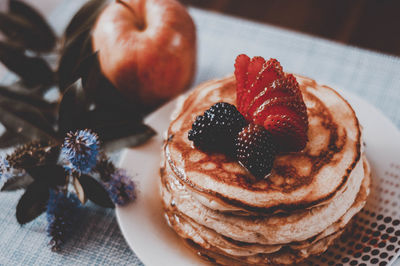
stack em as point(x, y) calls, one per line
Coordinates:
point(139, 23)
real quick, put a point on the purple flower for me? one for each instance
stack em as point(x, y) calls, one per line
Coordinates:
point(81, 150)
point(62, 217)
point(120, 188)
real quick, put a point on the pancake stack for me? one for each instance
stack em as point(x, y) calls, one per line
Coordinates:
point(217, 208)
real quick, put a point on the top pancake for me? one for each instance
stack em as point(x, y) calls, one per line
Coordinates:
point(298, 180)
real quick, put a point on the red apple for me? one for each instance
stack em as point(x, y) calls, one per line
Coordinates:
point(147, 48)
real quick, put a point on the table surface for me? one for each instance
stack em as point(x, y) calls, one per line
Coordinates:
point(373, 76)
point(368, 23)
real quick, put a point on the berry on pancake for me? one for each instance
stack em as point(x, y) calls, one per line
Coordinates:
point(255, 150)
point(217, 128)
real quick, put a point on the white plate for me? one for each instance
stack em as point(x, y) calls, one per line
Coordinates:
point(142, 222)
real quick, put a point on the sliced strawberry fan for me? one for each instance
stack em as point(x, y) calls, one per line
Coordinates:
point(271, 98)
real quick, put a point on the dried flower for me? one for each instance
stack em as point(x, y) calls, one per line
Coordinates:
point(81, 150)
point(62, 217)
point(120, 188)
point(33, 154)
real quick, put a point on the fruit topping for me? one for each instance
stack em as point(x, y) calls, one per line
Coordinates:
point(271, 117)
point(217, 128)
point(271, 98)
point(255, 150)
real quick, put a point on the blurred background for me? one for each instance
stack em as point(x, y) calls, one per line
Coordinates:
point(371, 24)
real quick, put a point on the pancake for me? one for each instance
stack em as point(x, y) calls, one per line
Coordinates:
point(224, 251)
point(229, 218)
point(283, 257)
point(315, 176)
point(315, 223)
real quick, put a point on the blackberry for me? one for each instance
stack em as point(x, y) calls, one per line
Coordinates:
point(255, 150)
point(217, 129)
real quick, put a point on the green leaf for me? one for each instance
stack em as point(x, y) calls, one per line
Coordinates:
point(112, 115)
point(72, 108)
point(78, 41)
point(103, 93)
point(17, 182)
point(74, 51)
point(32, 96)
point(95, 191)
point(32, 70)
point(84, 19)
point(50, 175)
point(20, 87)
point(20, 31)
point(15, 93)
point(32, 203)
point(25, 117)
point(18, 93)
point(111, 128)
point(37, 21)
point(26, 120)
point(98, 105)
point(88, 65)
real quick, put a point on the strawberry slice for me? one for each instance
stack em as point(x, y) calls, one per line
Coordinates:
point(260, 103)
point(268, 97)
point(241, 64)
point(271, 71)
point(286, 119)
point(289, 84)
point(255, 68)
point(289, 132)
point(253, 71)
point(280, 105)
